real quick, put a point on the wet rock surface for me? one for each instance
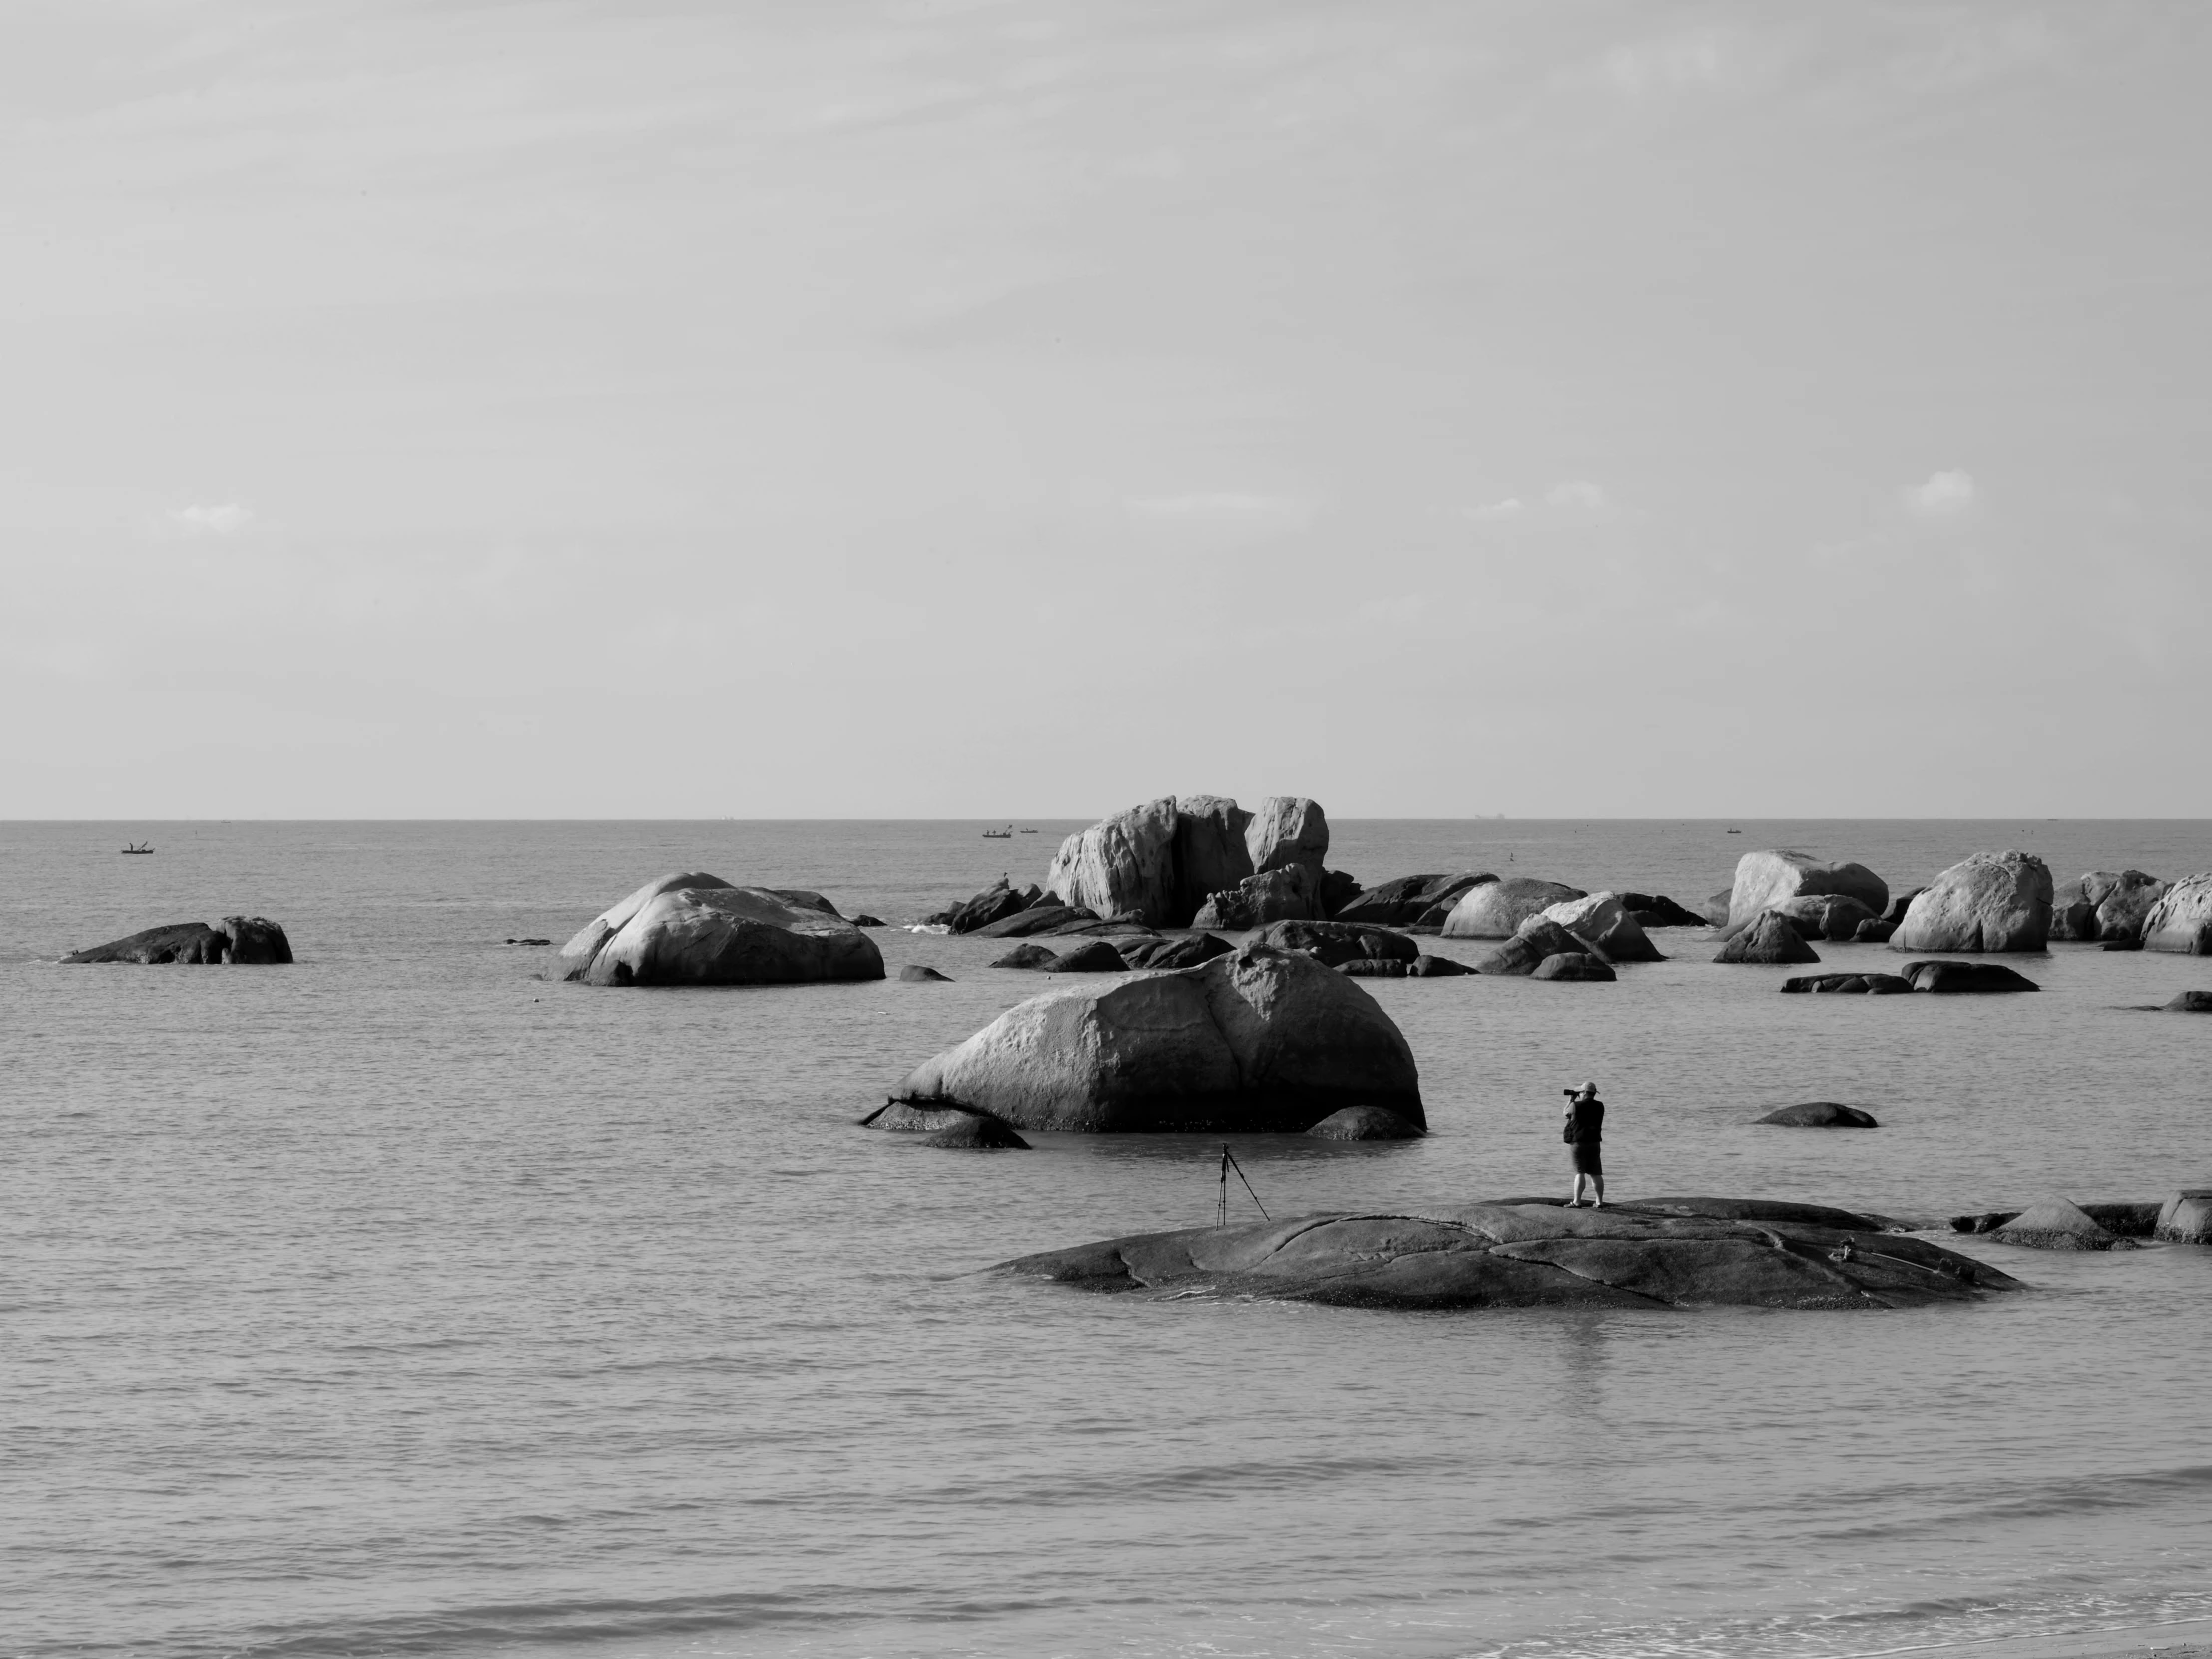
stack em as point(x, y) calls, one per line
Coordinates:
point(914, 973)
point(1337, 943)
point(1520, 1253)
point(1969, 978)
point(243, 941)
point(697, 930)
point(1822, 1114)
point(1852, 984)
point(1575, 966)
point(1366, 1123)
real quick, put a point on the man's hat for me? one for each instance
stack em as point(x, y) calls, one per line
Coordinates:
point(1589, 1088)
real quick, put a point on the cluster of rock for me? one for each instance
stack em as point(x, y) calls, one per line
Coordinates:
point(1994, 902)
point(2057, 1223)
point(1167, 861)
point(234, 940)
point(1525, 1252)
point(1262, 1039)
point(1943, 978)
point(698, 929)
point(2105, 907)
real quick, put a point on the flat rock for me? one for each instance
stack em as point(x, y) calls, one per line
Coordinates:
point(2181, 922)
point(1971, 978)
point(1426, 966)
point(804, 899)
point(241, 941)
point(914, 973)
point(1822, 1114)
point(718, 935)
point(1770, 878)
point(1094, 956)
point(977, 1134)
point(1259, 1041)
point(1405, 899)
point(1337, 943)
point(1681, 1253)
point(1366, 1123)
point(1994, 902)
point(2055, 1224)
point(1368, 967)
point(1042, 917)
point(2190, 1002)
point(1496, 909)
point(1027, 957)
point(1770, 938)
point(1857, 985)
point(1575, 965)
point(530, 944)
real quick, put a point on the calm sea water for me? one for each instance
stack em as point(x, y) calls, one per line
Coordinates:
point(404, 1303)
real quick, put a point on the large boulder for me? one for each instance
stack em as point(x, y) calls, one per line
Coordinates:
point(2123, 902)
point(1821, 1114)
point(239, 941)
point(1496, 909)
point(1536, 943)
point(995, 903)
point(1404, 900)
point(1288, 829)
point(1521, 1252)
point(1261, 1040)
point(718, 935)
point(1770, 938)
point(1971, 978)
point(1289, 893)
point(1715, 908)
point(1767, 879)
point(1337, 942)
point(1091, 957)
point(2186, 1217)
point(2055, 1224)
point(587, 940)
point(1603, 922)
point(1833, 916)
point(1210, 848)
point(1124, 865)
point(1994, 902)
point(2182, 920)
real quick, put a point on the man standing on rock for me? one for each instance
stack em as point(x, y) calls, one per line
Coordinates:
point(1585, 1129)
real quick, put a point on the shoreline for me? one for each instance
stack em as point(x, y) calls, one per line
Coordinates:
point(2179, 1639)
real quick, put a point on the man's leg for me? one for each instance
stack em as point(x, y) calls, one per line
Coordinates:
point(1597, 1186)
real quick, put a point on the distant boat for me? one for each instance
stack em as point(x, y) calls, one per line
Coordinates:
point(1005, 835)
point(143, 850)
point(1735, 831)
point(1029, 831)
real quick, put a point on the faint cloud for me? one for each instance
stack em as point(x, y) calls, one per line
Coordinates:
point(1670, 65)
point(1511, 507)
point(1576, 498)
point(1579, 493)
point(224, 520)
point(1223, 507)
point(1945, 495)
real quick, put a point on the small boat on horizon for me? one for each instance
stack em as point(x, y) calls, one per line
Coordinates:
point(1735, 831)
point(1029, 831)
point(141, 850)
point(1005, 835)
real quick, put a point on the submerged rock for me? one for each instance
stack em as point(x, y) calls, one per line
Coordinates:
point(1496, 909)
point(1025, 957)
point(240, 941)
point(1821, 1114)
point(2190, 1002)
point(1436, 967)
point(1994, 902)
point(1770, 938)
point(863, 919)
point(2182, 920)
point(700, 931)
point(1575, 965)
point(1368, 967)
point(1954, 979)
point(1167, 954)
point(1094, 956)
point(914, 973)
point(1366, 1123)
point(1771, 877)
point(1665, 1253)
point(2186, 1217)
point(1857, 985)
point(1402, 901)
point(1337, 942)
point(977, 1134)
point(1259, 1040)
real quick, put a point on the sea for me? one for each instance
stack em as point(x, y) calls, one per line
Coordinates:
point(407, 1301)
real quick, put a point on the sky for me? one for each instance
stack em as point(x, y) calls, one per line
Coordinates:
point(824, 409)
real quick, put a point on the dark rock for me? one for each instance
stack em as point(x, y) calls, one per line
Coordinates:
point(2055, 1224)
point(530, 944)
point(697, 930)
point(2186, 1217)
point(1874, 931)
point(1031, 921)
point(2190, 1002)
point(1676, 1253)
point(1436, 967)
point(800, 898)
point(2126, 1220)
point(2123, 945)
point(993, 904)
point(1658, 912)
point(1523, 954)
point(1836, 917)
point(1574, 965)
point(1335, 943)
point(1870, 985)
point(910, 1118)
point(975, 1133)
point(2106, 905)
point(1894, 911)
point(914, 973)
point(1408, 899)
point(1026, 956)
point(1822, 1114)
point(245, 941)
point(1259, 1041)
point(1497, 909)
point(1770, 938)
point(863, 919)
point(1096, 956)
point(1160, 859)
point(1288, 893)
point(1953, 978)
point(1165, 955)
point(1987, 1221)
point(1337, 890)
point(1367, 968)
point(1366, 1123)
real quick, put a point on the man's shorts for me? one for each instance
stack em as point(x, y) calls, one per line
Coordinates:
point(1589, 1159)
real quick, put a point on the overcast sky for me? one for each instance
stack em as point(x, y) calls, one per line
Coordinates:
point(643, 408)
